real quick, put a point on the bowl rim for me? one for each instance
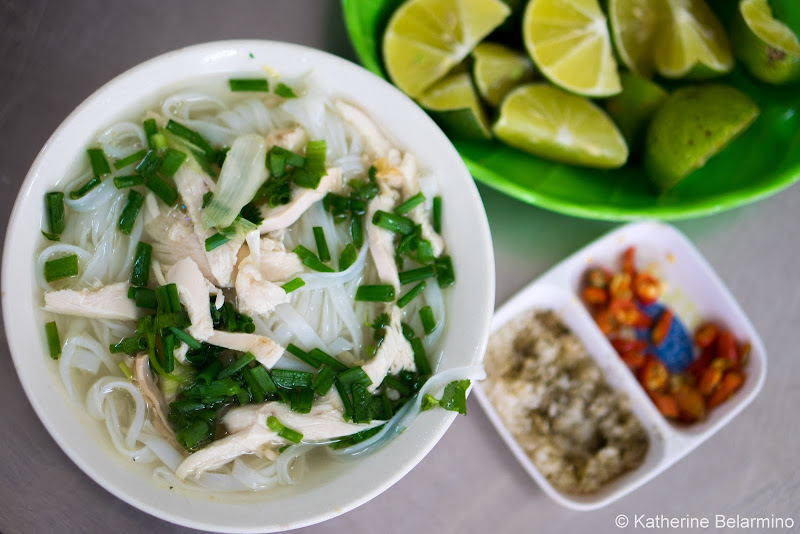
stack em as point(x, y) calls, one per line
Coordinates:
point(435, 424)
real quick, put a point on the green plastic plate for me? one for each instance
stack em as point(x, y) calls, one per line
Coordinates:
point(761, 162)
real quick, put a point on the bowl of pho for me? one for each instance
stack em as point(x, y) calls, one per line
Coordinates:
point(246, 285)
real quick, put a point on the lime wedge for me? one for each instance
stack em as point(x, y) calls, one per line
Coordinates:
point(691, 42)
point(633, 107)
point(693, 124)
point(497, 70)
point(766, 46)
point(455, 105)
point(426, 38)
point(569, 42)
point(551, 123)
point(633, 26)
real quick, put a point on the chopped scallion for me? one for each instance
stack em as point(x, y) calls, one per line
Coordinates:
point(415, 275)
point(284, 91)
point(323, 381)
point(149, 165)
point(143, 297)
point(302, 400)
point(410, 204)
point(302, 355)
point(393, 222)
point(236, 366)
point(121, 182)
point(444, 271)
point(315, 157)
point(325, 358)
point(125, 370)
point(129, 160)
point(140, 273)
point(420, 357)
point(186, 338)
point(61, 268)
point(288, 379)
point(375, 293)
point(129, 213)
point(348, 257)
point(354, 375)
point(150, 129)
point(55, 211)
point(53, 339)
point(194, 434)
point(293, 285)
point(215, 241)
point(98, 161)
point(403, 301)
point(322, 245)
point(437, 215)
point(428, 321)
point(192, 138)
point(282, 431)
point(163, 190)
point(171, 161)
point(358, 437)
point(168, 346)
point(357, 230)
point(249, 84)
point(85, 188)
point(311, 260)
point(306, 178)
point(262, 378)
point(347, 404)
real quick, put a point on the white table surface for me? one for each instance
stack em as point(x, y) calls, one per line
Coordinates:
point(54, 54)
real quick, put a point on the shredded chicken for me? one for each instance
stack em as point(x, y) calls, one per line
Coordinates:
point(266, 351)
point(256, 295)
point(156, 401)
point(194, 294)
point(276, 263)
point(394, 355)
point(377, 146)
point(108, 302)
point(293, 139)
point(285, 215)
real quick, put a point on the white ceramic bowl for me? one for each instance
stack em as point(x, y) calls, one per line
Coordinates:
point(695, 293)
point(347, 485)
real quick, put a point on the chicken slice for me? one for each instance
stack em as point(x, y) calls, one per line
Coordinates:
point(394, 355)
point(381, 241)
point(276, 263)
point(174, 239)
point(156, 401)
point(420, 215)
point(254, 294)
point(108, 302)
point(194, 294)
point(250, 434)
point(193, 184)
point(266, 351)
point(293, 139)
point(376, 144)
point(285, 215)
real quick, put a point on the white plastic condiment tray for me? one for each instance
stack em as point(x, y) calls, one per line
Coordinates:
point(694, 292)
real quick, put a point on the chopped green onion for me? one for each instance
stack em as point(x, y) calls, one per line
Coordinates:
point(98, 161)
point(425, 252)
point(192, 138)
point(437, 215)
point(301, 401)
point(347, 404)
point(150, 129)
point(217, 388)
point(357, 230)
point(428, 322)
point(163, 300)
point(322, 245)
point(354, 375)
point(128, 345)
point(55, 211)
point(140, 273)
point(291, 158)
point(302, 355)
point(403, 301)
point(85, 188)
point(311, 260)
point(325, 358)
point(408, 332)
point(306, 178)
point(143, 297)
point(415, 275)
point(323, 381)
point(397, 385)
point(159, 142)
point(315, 157)
point(284, 91)
point(293, 285)
point(215, 241)
point(375, 293)
point(236, 366)
point(149, 165)
point(207, 198)
point(282, 431)
point(61, 268)
point(262, 378)
point(172, 319)
point(128, 160)
point(420, 358)
point(168, 344)
point(191, 342)
point(444, 271)
point(53, 340)
point(121, 182)
point(194, 434)
point(125, 370)
point(163, 190)
point(358, 437)
point(257, 394)
point(249, 84)
point(171, 161)
point(410, 204)
point(174, 300)
point(348, 257)
point(361, 408)
point(393, 222)
point(51, 237)
point(289, 379)
point(129, 213)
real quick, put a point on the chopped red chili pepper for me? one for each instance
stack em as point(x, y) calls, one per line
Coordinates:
point(629, 261)
point(653, 375)
point(691, 404)
point(648, 288)
point(620, 286)
point(705, 335)
point(633, 359)
point(661, 328)
point(597, 277)
point(595, 296)
point(666, 404)
point(731, 382)
point(726, 348)
point(625, 345)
